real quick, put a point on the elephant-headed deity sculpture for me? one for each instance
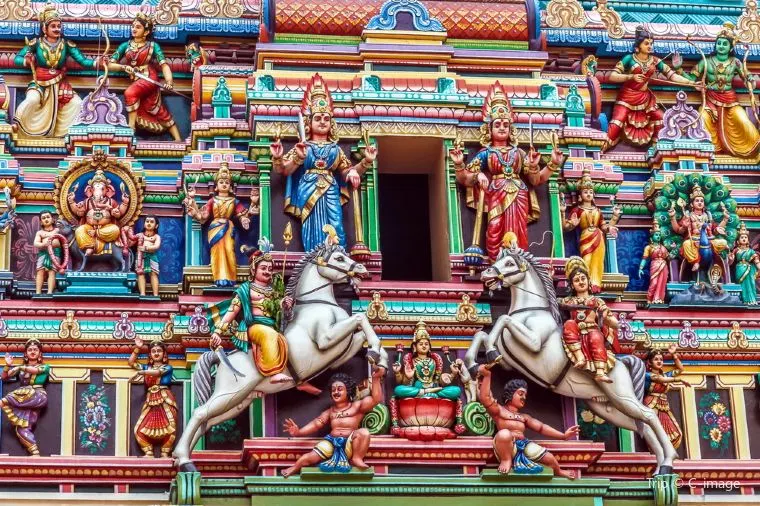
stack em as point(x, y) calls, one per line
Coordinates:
point(98, 200)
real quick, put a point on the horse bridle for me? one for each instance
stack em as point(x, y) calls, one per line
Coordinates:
point(322, 262)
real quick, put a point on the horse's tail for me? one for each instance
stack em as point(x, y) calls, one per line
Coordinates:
point(637, 370)
point(202, 376)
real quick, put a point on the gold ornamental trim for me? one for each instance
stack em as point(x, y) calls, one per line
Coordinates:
point(565, 14)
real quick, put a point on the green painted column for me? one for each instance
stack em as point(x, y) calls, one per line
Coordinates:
point(260, 152)
point(369, 203)
point(558, 240)
point(190, 403)
point(627, 442)
point(256, 418)
point(456, 244)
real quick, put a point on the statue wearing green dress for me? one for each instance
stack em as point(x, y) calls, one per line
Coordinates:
point(747, 263)
point(420, 374)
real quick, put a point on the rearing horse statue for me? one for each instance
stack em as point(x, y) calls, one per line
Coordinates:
point(529, 340)
point(320, 336)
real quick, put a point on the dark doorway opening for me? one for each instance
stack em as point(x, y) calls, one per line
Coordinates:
point(405, 227)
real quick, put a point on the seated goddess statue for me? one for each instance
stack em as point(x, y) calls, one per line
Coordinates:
point(423, 374)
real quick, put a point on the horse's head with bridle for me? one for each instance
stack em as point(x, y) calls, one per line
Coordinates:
point(335, 264)
point(509, 269)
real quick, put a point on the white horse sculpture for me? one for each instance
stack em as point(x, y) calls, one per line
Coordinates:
point(529, 340)
point(321, 335)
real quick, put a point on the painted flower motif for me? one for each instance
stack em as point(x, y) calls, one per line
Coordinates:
point(716, 435)
point(724, 424)
point(598, 420)
point(718, 408)
point(587, 416)
point(710, 418)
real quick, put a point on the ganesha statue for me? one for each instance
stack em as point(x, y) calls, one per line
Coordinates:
point(98, 200)
point(426, 405)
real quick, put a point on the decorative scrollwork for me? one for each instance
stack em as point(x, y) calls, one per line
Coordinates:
point(588, 66)
point(565, 14)
point(221, 8)
point(16, 10)
point(378, 420)
point(167, 12)
point(466, 311)
point(376, 309)
point(736, 337)
point(123, 328)
point(683, 121)
point(198, 322)
point(687, 338)
point(69, 328)
point(611, 19)
point(748, 24)
point(168, 331)
point(477, 421)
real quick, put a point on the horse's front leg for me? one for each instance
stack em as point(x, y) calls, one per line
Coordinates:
point(530, 338)
point(496, 331)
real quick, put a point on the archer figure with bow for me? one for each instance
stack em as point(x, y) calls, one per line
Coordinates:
point(51, 105)
point(636, 115)
point(144, 57)
point(724, 117)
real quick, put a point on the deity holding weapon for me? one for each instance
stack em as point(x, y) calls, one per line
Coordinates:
point(99, 214)
point(24, 404)
point(317, 168)
point(51, 105)
point(157, 424)
point(508, 197)
point(594, 229)
point(700, 245)
point(258, 305)
point(221, 209)
point(144, 56)
point(590, 327)
point(636, 115)
point(726, 120)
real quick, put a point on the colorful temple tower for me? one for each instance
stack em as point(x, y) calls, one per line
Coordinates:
point(382, 251)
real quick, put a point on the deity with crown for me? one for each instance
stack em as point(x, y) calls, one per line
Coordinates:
point(51, 105)
point(698, 228)
point(318, 170)
point(143, 57)
point(731, 129)
point(221, 209)
point(510, 198)
point(99, 214)
point(593, 229)
point(747, 265)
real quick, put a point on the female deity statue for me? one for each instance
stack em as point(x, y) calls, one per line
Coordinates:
point(657, 384)
point(157, 425)
point(50, 105)
point(143, 97)
point(222, 207)
point(423, 374)
point(659, 257)
point(747, 266)
point(636, 115)
point(591, 325)
point(692, 224)
point(724, 117)
point(510, 197)
point(594, 229)
point(318, 169)
point(24, 404)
